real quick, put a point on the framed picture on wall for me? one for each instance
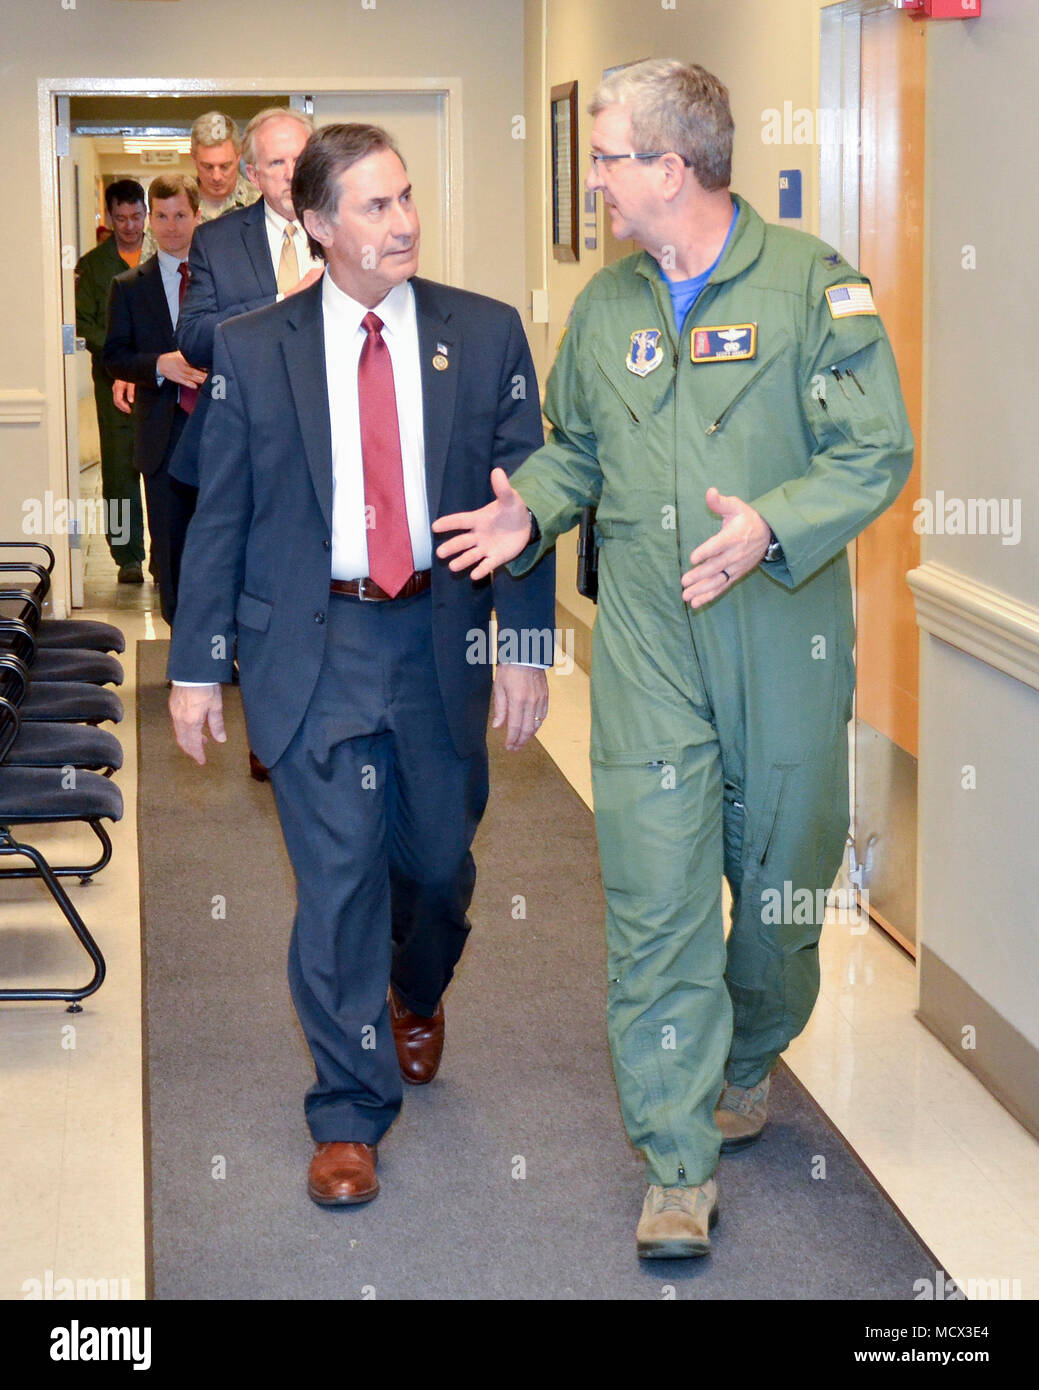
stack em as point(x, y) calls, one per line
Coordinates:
point(565, 190)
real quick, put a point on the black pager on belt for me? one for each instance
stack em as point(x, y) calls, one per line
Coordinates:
point(588, 557)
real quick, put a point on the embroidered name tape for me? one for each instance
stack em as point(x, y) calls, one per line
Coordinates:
point(728, 342)
point(848, 300)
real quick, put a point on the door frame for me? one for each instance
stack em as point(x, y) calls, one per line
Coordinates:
point(49, 88)
point(839, 34)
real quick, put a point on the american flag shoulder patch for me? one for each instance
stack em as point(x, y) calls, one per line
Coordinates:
point(847, 300)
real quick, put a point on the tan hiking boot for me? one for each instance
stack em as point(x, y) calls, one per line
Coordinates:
point(741, 1114)
point(676, 1222)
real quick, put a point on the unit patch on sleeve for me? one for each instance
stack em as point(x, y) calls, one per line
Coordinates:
point(728, 342)
point(848, 300)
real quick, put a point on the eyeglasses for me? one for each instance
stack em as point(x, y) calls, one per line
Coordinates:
point(598, 159)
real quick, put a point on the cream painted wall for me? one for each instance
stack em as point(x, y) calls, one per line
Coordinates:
point(983, 405)
point(326, 39)
point(88, 165)
point(977, 849)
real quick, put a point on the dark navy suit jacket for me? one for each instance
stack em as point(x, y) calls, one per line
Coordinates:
point(139, 331)
point(231, 273)
point(257, 563)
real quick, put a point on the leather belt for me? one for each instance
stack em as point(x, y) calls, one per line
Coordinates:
point(369, 591)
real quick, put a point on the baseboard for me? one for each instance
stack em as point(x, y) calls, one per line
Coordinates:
point(1002, 1059)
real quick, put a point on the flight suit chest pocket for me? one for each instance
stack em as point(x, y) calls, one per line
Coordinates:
point(253, 612)
point(624, 395)
point(723, 386)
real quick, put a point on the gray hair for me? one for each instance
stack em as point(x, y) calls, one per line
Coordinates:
point(213, 128)
point(271, 113)
point(675, 106)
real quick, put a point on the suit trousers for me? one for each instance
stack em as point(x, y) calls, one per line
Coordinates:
point(378, 812)
point(171, 505)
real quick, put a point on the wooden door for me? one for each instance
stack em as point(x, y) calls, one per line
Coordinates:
point(891, 241)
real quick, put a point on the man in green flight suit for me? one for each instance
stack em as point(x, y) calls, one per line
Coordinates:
point(733, 373)
point(120, 481)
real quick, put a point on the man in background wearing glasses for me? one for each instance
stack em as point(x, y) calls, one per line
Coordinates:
point(728, 400)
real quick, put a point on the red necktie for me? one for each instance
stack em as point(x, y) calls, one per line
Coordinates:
point(390, 561)
point(188, 394)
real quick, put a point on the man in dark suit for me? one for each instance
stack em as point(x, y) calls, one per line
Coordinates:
point(247, 258)
point(348, 417)
point(140, 346)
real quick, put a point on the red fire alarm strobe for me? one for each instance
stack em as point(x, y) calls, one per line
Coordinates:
point(942, 9)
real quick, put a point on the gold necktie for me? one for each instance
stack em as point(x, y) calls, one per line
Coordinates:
point(288, 266)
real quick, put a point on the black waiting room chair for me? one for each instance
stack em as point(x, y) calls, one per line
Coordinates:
point(50, 664)
point(23, 598)
point(63, 702)
point(45, 791)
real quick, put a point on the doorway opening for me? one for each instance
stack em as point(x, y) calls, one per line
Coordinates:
point(100, 129)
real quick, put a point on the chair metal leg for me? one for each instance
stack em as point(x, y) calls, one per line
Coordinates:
point(84, 872)
point(10, 846)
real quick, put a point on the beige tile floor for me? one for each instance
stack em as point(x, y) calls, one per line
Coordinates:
point(961, 1170)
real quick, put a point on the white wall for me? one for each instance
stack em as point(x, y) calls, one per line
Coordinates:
point(977, 847)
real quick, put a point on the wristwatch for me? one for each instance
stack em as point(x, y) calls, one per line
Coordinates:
point(774, 551)
point(535, 529)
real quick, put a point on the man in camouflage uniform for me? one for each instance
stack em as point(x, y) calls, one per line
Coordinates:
point(216, 148)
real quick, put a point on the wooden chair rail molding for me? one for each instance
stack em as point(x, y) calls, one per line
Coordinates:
point(23, 407)
point(990, 625)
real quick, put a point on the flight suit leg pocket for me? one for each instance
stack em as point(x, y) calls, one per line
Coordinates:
point(768, 827)
point(758, 944)
point(636, 800)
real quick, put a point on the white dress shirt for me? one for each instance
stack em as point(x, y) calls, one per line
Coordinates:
point(344, 338)
point(169, 269)
point(274, 225)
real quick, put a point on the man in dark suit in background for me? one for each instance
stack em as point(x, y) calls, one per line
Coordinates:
point(140, 346)
point(247, 258)
point(242, 261)
point(348, 417)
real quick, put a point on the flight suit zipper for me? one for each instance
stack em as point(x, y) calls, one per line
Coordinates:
point(713, 429)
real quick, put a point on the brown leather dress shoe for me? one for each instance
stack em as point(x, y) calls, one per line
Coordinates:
point(420, 1041)
point(257, 769)
point(343, 1174)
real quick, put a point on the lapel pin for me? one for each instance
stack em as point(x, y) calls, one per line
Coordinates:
point(440, 361)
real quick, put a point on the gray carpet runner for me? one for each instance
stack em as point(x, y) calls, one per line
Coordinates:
point(510, 1177)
